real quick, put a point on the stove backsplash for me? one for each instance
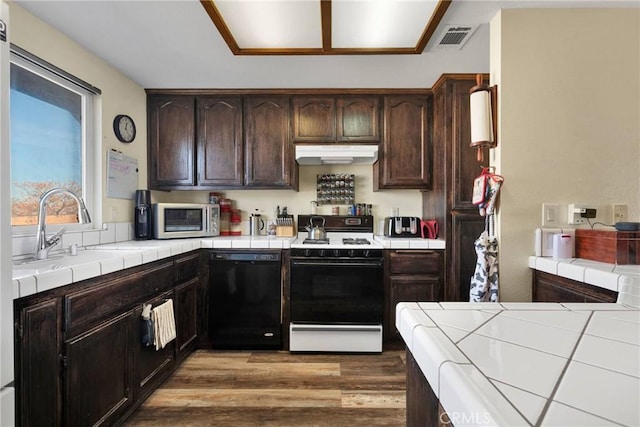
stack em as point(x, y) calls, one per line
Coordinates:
point(408, 202)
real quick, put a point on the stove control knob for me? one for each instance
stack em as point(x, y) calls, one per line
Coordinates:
point(352, 253)
point(307, 252)
point(366, 253)
point(322, 252)
point(336, 253)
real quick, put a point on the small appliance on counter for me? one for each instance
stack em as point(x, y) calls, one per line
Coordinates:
point(402, 226)
point(184, 220)
point(143, 229)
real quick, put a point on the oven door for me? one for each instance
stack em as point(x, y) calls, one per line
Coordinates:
point(326, 291)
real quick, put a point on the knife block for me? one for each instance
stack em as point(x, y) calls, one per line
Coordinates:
point(285, 231)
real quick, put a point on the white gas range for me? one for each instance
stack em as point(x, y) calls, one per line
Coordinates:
point(336, 287)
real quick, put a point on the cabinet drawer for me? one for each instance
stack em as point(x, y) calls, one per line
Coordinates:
point(414, 262)
point(85, 307)
point(186, 267)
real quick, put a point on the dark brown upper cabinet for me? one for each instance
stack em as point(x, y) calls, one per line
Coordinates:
point(171, 149)
point(210, 142)
point(404, 161)
point(336, 119)
point(220, 142)
point(269, 159)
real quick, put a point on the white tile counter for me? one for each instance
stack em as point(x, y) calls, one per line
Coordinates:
point(521, 364)
point(409, 243)
point(62, 269)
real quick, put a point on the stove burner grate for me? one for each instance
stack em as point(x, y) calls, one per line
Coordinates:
point(315, 241)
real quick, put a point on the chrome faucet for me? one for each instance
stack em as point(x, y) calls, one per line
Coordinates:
point(44, 244)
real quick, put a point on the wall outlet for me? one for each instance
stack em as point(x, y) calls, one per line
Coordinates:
point(550, 215)
point(620, 213)
point(573, 214)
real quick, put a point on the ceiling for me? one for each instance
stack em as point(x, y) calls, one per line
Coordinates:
point(174, 44)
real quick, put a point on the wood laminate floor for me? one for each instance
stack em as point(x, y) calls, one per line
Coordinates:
point(215, 388)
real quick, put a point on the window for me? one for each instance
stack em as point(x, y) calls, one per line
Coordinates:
point(51, 116)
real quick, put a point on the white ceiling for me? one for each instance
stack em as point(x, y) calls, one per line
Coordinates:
point(174, 44)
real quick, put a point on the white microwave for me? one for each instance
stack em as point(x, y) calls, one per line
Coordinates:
point(183, 220)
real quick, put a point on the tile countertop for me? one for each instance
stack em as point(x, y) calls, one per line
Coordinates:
point(60, 270)
point(521, 364)
point(608, 276)
point(93, 261)
point(409, 243)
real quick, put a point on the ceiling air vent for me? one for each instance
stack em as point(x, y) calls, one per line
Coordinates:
point(455, 35)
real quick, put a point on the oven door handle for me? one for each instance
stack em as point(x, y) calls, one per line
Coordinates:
point(362, 328)
point(375, 264)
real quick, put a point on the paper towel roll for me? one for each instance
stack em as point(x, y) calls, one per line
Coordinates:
point(481, 118)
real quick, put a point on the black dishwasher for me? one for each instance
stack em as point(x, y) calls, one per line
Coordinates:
point(245, 299)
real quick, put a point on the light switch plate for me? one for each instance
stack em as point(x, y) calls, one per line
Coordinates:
point(550, 215)
point(620, 213)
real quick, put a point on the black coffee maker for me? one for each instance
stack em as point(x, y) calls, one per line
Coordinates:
point(142, 226)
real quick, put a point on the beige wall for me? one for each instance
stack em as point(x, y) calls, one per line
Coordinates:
point(569, 121)
point(120, 95)
point(408, 201)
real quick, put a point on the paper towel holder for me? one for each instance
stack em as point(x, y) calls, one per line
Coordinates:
point(483, 113)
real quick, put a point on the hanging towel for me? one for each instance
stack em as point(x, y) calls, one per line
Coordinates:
point(484, 282)
point(164, 324)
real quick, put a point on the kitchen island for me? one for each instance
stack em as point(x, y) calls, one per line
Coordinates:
point(520, 364)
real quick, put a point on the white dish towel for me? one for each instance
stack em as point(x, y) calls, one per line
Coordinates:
point(164, 324)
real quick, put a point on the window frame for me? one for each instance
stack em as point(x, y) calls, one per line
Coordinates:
point(90, 139)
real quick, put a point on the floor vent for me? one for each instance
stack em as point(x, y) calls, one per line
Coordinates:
point(455, 35)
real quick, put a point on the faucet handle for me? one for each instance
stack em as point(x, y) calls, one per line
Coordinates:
point(56, 237)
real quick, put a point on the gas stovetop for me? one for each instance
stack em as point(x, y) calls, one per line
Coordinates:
point(347, 236)
point(337, 241)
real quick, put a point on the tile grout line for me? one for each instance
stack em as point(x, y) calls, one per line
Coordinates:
point(545, 409)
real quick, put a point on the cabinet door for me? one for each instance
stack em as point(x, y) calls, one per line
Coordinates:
point(38, 365)
point(171, 141)
point(269, 155)
point(151, 366)
point(465, 229)
point(186, 317)
point(314, 119)
point(98, 386)
point(358, 119)
point(405, 158)
point(409, 288)
point(219, 141)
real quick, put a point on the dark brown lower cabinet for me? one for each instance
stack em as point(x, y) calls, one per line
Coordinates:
point(37, 340)
point(151, 366)
point(410, 276)
point(423, 407)
point(185, 305)
point(551, 288)
point(98, 380)
point(79, 353)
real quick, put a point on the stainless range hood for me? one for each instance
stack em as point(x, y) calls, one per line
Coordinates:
point(335, 154)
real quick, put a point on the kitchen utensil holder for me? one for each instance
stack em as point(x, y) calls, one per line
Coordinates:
point(336, 189)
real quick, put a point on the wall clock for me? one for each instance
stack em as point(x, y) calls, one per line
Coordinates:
point(124, 128)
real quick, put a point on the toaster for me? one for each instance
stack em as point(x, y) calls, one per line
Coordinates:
point(402, 226)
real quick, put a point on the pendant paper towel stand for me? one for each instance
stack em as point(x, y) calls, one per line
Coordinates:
point(483, 113)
